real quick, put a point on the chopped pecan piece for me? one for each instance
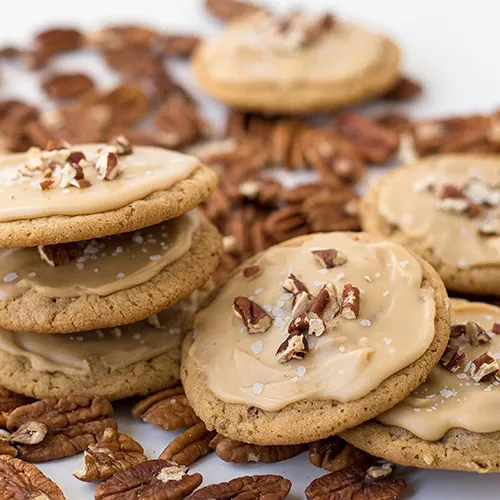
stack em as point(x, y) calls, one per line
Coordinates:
point(267, 487)
point(349, 308)
point(252, 272)
point(122, 145)
point(353, 482)
point(294, 347)
point(67, 86)
point(189, 446)
point(457, 330)
point(376, 472)
point(7, 449)
point(293, 285)
point(299, 324)
point(325, 304)
point(168, 409)
point(45, 184)
point(333, 454)
point(496, 328)
point(151, 479)
point(476, 335)
point(107, 166)
point(9, 401)
point(113, 453)
point(61, 254)
point(225, 10)
point(179, 45)
point(329, 257)
point(30, 433)
point(300, 304)
point(237, 452)
point(21, 480)
point(255, 319)
point(453, 357)
point(450, 191)
point(484, 368)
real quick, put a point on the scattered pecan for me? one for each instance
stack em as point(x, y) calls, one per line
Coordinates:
point(9, 401)
point(122, 145)
point(286, 223)
point(354, 482)
point(294, 347)
point(237, 452)
point(301, 303)
point(107, 166)
point(179, 45)
point(168, 409)
point(55, 41)
point(404, 89)
point(349, 308)
point(255, 319)
point(252, 272)
point(189, 446)
point(457, 330)
point(151, 479)
point(329, 257)
point(61, 254)
point(294, 285)
point(113, 453)
point(333, 454)
point(484, 368)
point(453, 358)
point(226, 10)
point(267, 487)
point(325, 304)
point(118, 37)
point(495, 329)
point(21, 480)
point(67, 86)
point(475, 334)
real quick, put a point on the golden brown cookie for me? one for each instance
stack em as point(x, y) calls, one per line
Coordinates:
point(321, 339)
point(76, 202)
point(297, 64)
point(451, 420)
point(447, 210)
point(115, 281)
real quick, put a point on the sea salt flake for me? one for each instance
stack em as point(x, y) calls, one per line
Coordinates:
point(257, 388)
point(367, 278)
point(257, 346)
point(365, 322)
point(10, 277)
point(323, 270)
point(377, 275)
point(404, 263)
point(387, 341)
point(154, 257)
point(461, 375)
point(258, 290)
point(386, 293)
point(120, 275)
point(280, 322)
point(301, 371)
point(447, 393)
point(342, 348)
point(462, 263)
point(317, 283)
point(32, 274)
point(339, 277)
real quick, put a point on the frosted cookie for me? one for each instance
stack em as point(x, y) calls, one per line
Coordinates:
point(451, 420)
point(88, 191)
point(328, 330)
point(113, 363)
point(447, 210)
point(295, 64)
point(106, 282)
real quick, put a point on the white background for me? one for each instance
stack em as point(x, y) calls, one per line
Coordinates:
point(450, 45)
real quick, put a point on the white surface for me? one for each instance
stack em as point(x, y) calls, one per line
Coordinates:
point(449, 45)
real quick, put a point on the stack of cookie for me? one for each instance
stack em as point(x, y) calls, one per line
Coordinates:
point(102, 249)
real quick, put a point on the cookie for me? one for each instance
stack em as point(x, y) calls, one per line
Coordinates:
point(298, 64)
point(76, 193)
point(330, 329)
point(451, 420)
point(112, 281)
point(113, 363)
point(447, 210)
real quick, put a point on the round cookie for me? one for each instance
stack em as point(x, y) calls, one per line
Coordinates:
point(74, 297)
point(152, 185)
point(246, 386)
point(447, 210)
point(298, 64)
point(450, 422)
point(116, 363)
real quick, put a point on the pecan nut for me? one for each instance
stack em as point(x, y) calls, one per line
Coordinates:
point(294, 347)
point(107, 166)
point(252, 272)
point(453, 357)
point(237, 452)
point(114, 452)
point(30, 433)
point(329, 257)
point(270, 487)
point(404, 89)
point(475, 334)
point(67, 86)
point(226, 10)
point(179, 45)
point(23, 480)
point(168, 409)
point(349, 308)
point(61, 254)
point(255, 319)
point(9, 401)
point(484, 368)
point(189, 446)
point(333, 454)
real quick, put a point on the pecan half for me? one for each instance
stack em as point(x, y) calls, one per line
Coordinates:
point(189, 446)
point(349, 308)
point(353, 482)
point(252, 272)
point(107, 166)
point(60, 254)
point(54, 41)
point(329, 257)
point(237, 452)
point(67, 86)
point(484, 368)
point(225, 10)
point(294, 347)
point(475, 334)
point(22, 480)
point(453, 358)
point(151, 479)
point(268, 487)
point(113, 453)
point(179, 45)
point(9, 401)
point(255, 319)
point(293, 285)
point(333, 454)
point(168, 409)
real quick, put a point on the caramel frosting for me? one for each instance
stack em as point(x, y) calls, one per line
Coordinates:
point(454, 399)
point(416, 199)
point(113, 348)
point(106, 266)
point(145, 171)
point(254, 50)
point(348, 354)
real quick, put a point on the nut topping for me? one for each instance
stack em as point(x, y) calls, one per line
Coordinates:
point(379, 472)
point(496, 328)
point(61, 254)
point(328, 257)
point(293, 285)
point(299, 324)
point(484, 368)
point(122, 145)
point(114, 452)
point(30, 433)
point(333, 454)
point(300, 304)
point(349, 308)
point(252, 272)
point(255, 319)
point(107, 166)
point(457, 330)
point(325, 304)
point(453, 358)
point(294, 347)
point(476, 335)
point(151, 479)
